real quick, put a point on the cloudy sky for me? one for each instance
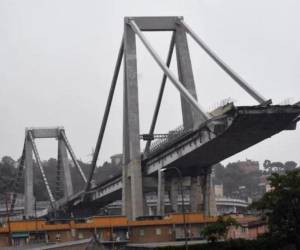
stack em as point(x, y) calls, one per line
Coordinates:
point(57, 58)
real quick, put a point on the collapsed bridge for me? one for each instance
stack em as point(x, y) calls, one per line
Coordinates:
point(204, 140)
point(194, 151)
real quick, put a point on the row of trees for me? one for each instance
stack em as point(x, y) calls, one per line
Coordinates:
point(8, 172)
point(271, 167)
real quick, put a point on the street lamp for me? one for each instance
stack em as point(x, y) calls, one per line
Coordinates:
point(182, 201)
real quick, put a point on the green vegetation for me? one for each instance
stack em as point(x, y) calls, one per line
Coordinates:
point(8, 172)
point(271, 167)
point(281, 206)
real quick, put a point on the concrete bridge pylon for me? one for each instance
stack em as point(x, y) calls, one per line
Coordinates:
point(132, 193)
point(193, 115)
point(63, 171)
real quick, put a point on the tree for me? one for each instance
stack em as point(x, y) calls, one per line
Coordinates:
point(7, 174)
point(290, 165)
point(7, 160)
point(271, 167)
point(267, 166)
point(219, 230)
point(281, 206)
point(278, 166)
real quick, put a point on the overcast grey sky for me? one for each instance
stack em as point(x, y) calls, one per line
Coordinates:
point(57, 58)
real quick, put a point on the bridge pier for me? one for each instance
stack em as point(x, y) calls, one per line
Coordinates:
point(202, 196)
point(210, 208)
point(29, 197)
point(161, 193)
point(174, 194)
point(133, 204)
point(64, 164)
point(196, 195)
point(63, 167)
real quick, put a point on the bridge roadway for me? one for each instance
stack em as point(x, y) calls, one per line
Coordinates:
point(227, 133)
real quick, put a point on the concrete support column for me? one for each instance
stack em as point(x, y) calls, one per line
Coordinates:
point(62, 151)
point(28, 179)
point(174, 194)
point(209, 194)
point(126, 189)
point(161, 193)
point(132, 173)
point(191, 117)
point(213, 205)
point(126, 194)
point(196, 196)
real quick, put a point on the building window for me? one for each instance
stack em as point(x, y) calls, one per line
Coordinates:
point(158, 231)
point(142, 232)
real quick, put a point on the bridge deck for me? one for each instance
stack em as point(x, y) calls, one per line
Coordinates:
point(242, 128)
point(220, 138)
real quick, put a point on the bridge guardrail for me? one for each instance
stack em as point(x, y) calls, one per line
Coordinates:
point(172, 136)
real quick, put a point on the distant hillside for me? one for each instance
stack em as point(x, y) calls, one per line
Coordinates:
point(242, 178)
point(8, 172)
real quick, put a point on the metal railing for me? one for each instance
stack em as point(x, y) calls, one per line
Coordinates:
point(173, 135)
